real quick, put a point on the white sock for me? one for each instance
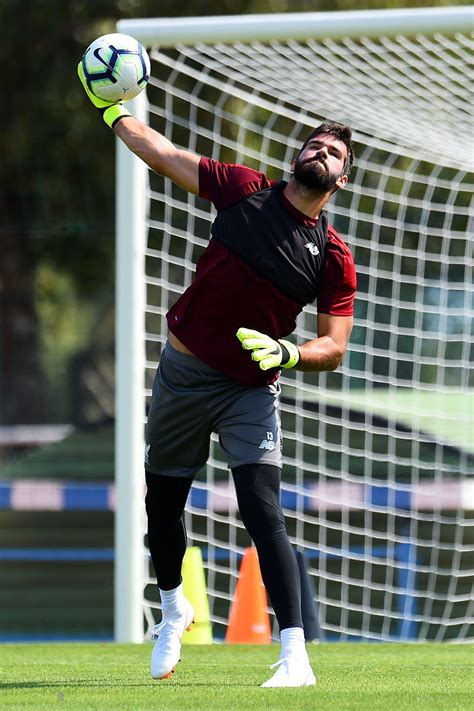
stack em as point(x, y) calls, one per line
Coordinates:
point(173, 601)
point(292, 642)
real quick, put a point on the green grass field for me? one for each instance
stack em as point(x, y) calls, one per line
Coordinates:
point(350, 676)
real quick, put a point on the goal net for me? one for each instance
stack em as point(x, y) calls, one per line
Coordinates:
point(378, 456)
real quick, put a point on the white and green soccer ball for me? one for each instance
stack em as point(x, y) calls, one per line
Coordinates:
point(116, 67)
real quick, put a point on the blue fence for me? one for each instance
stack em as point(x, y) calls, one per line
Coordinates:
point(61, 496)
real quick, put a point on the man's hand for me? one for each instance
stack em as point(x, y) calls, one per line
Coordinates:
point(267, 352)
point(111, 111)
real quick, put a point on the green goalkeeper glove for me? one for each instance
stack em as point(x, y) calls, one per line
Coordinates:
point(267, 352)
point(111, 111)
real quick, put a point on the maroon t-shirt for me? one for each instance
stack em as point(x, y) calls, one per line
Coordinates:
point(265, 261)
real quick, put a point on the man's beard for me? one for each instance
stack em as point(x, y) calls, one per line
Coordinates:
point(313, 175)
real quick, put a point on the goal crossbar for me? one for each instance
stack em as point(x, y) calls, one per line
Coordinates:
point(167, 32)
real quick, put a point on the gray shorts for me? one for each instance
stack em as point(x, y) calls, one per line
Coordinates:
point(190, 401)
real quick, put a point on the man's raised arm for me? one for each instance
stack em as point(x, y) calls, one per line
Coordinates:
point(154, 149)
point(159, 154)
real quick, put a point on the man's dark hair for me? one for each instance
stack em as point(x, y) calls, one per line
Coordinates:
point(340, 131)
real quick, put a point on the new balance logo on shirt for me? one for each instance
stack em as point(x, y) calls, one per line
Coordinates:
point(312, 248)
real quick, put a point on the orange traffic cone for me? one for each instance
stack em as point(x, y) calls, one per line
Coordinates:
point(249, 622)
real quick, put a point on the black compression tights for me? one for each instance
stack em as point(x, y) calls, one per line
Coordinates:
point(257, 487)
point(164, 502)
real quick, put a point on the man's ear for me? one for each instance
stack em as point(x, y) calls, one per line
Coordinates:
point(342, 181)
point(292, 167)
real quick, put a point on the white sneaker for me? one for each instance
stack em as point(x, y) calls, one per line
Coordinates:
point(166, 652)
point(292, 671)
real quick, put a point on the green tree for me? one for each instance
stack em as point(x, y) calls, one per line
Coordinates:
point(56, 198)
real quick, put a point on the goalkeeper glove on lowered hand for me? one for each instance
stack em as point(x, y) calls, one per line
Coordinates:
point(111, 111)
point(268, 352)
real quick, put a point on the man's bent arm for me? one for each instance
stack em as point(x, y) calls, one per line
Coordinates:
point(162, 156)
point(326, 351)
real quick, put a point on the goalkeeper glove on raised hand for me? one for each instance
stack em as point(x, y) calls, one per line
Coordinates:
point(111, 111)
point(268, 352)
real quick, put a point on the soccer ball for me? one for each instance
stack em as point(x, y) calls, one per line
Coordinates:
point(116, 67)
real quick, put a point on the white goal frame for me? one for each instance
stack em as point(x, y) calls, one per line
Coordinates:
point(130, 229)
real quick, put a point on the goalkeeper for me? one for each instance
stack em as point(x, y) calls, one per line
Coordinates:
point(271, 252)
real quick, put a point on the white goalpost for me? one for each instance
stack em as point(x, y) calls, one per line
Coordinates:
point(378, 479)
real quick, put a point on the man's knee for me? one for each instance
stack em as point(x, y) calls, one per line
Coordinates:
point(258, 495)
point(165, 499)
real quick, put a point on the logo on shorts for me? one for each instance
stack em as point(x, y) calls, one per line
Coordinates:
point(268, 443)
point(147, 454)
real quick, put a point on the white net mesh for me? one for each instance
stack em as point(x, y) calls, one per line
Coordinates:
point(377, 482)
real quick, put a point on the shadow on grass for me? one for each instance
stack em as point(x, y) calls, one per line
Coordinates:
point(107, 683)
point(83, 683)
